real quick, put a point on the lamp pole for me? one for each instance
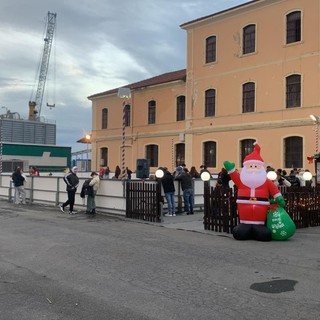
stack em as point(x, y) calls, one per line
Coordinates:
point(88, 137)
point(125, 94)
point(205, 177)
point(159, 175)
point(316, 120)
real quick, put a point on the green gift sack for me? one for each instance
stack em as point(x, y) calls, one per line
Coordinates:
point(280, 224)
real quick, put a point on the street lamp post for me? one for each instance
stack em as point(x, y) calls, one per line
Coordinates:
point(123, 93)
point(205, 177)
point(316, 120)
point(88, 137)
point(159, 175)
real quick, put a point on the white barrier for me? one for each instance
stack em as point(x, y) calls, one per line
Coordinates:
point(110, 196)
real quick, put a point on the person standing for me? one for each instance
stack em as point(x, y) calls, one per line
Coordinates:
point(93, 188)
point(107, 172)
point(34, 171)
point(169, 191)
point(18, 179)
point(102, 172)
point(72, 182)
point(117, 172)
point(194, 173)
point(187, 188)
point(128, 173)
point(225, 179)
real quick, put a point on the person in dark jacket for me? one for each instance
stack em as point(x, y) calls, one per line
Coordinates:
point(169, 191)
point(72, 182)
point(225, 179)
point(18, 180)
point(194, 173)
point(293, 179)
point(187, 188)
point(117, 172)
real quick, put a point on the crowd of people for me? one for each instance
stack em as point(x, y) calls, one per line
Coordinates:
point(104, 173)
point(293, 179)
point(185, 177)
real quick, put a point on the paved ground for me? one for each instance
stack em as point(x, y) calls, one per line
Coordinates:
point(57, 266)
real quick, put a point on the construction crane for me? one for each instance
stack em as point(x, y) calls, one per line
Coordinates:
point(36, 104)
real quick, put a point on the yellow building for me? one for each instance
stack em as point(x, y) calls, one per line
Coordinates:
point(252, 74)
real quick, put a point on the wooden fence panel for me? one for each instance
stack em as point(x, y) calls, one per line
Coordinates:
point(221, 214)
point(143, 200)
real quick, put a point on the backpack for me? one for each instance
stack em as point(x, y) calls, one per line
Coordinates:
point(86, 189)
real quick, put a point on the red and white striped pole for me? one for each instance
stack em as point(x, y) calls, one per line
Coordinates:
point(124, 93)
point(123, 151)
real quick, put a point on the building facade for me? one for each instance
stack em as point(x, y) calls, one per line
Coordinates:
point(252, 74)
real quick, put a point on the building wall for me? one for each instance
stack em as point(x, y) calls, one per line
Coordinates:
point(268, 67)
point(139, 134)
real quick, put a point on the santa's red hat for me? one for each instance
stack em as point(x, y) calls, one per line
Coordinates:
point(254, 157)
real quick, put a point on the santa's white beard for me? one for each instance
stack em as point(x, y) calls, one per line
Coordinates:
point(253, 178)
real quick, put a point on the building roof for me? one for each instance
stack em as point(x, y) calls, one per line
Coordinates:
point(160, 79)
point(186, 24)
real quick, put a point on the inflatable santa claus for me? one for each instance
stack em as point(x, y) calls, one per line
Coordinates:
point(254, 191)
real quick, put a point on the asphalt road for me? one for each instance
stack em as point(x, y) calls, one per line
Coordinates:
point(57, 266)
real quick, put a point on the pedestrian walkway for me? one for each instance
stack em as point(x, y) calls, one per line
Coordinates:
point(192, 222)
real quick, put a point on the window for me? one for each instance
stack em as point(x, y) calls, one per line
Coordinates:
point(248, 97)
point(293, 152)
point(294, 27)
point(180, 154)
point(152, 154)
point(249, 39)
point(181, 108)
point(210, 103)
point(293, 91)
point(151, 112)
point(104, 122)
point(210, 153)
point(103, 157)
point(246, 147)
point(127, 115)
point(211, 49)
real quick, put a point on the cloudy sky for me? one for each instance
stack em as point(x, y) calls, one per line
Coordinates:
point(98, 45)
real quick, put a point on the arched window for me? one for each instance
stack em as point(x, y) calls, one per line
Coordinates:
point(151, 112)
point(103, 157)
point(248, 97)
point(152, 154)
point(181, 108)
point(293, 27)
point(210, 103)
point(293, 91)
point(293, 151)
point(104, 118)
point(246, 147)
point(127, 115)
point(210, 154)
point(180, 154)
point(249, 39)
point(211, 44)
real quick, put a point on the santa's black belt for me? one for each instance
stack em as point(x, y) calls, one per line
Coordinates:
point(253, 199)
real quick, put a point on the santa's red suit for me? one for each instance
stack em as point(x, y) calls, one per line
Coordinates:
point(253, 202)
point(254, 189)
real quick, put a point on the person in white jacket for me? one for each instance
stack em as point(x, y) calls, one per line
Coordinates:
point(93, 188)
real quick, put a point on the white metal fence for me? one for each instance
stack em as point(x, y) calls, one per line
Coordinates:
point(110, 196)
